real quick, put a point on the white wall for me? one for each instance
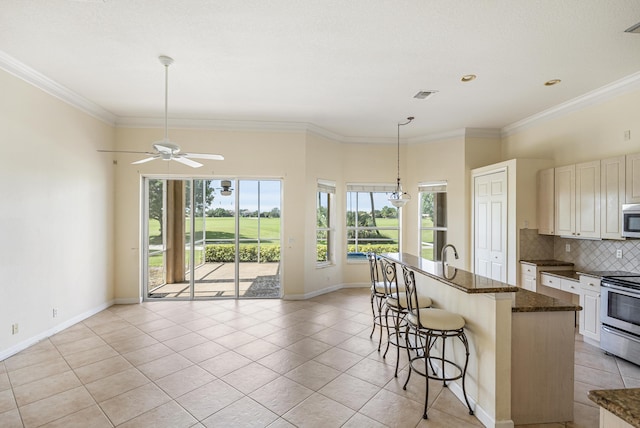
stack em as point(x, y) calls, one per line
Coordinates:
point(56, 217)
point(595, 132)
point(247, 155)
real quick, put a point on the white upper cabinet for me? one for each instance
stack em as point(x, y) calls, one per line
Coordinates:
point(612, 196)
point(588, 199)
point(633, 179)
point(546, 204)
point(577, 200)
point(565, 200)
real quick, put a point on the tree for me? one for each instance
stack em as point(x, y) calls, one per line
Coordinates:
point(157, 203)
point(274, 213)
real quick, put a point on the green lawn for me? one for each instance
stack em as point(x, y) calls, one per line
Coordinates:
point(223, 228)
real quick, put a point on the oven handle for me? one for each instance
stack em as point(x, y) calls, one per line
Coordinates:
point(620, 333)
point(621, 290)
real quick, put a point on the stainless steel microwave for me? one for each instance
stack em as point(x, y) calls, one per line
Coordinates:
point(631, 220)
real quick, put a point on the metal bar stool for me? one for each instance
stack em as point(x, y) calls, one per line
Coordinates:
point(396, 303)
point(378, 296)
point(429, 325)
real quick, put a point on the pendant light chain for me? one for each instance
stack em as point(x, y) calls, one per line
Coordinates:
point(399, 198)
point(409, 120)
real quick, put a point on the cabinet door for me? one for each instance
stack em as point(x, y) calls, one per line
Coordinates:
point(546, 195)
point(590, 315)
point(587, 205)
point(633, 179)
point(565, 200)
point(612, 196)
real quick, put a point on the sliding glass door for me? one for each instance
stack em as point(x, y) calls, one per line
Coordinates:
point(207, 238)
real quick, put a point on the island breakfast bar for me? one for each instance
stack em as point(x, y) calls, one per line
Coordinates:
point(522, 344)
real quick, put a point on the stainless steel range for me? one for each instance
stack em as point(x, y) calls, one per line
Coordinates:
point(620, 316)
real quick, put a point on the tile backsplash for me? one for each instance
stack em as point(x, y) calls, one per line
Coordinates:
point(585, 254)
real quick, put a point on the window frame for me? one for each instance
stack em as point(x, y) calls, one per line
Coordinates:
point(385, 189)
point(436, 187)
point(328, 188)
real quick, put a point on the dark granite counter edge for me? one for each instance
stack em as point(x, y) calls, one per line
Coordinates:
point(564, 274)
point(624, 403)
point(546, 262)
point(456, 271)
point(529, 301)
point(524, 300)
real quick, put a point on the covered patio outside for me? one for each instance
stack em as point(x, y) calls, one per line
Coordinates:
point(215, 280)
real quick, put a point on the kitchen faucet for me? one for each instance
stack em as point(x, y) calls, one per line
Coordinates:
point(443, 254)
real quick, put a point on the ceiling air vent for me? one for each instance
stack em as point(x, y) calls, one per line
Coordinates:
point(633, 29)
point(424, 94)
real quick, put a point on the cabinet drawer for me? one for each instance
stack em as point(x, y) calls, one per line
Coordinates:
point(589, 283)
point(570, 286)
point(528, 269)
point(551, 281)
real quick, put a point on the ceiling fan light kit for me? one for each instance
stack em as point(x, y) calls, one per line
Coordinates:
point(165, 149)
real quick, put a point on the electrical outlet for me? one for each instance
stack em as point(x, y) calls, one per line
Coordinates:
point(55, 312)
point(627, 135)
point(618, 254)
point(567, 248)
point(14, 328)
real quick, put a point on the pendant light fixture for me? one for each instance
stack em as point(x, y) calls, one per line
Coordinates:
point(399, 198)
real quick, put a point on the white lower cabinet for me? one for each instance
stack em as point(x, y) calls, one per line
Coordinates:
point(589, 317)
point(553, 281)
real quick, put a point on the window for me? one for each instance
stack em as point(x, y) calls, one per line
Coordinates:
point(372, 222)
point(324, 226)
point(433, 219)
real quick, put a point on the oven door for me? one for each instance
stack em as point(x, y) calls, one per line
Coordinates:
point(620, 308)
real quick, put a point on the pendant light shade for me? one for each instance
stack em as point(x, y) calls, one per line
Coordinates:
point(399, 198)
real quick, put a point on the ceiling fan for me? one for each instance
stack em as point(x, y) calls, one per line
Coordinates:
point(165, 149)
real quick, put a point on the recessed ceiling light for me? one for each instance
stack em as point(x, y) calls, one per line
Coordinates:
point(633, 29)
point(552, 82)
point(468, 78)
point(424, 94)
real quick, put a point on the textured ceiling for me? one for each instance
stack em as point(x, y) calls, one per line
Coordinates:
point(349, 67)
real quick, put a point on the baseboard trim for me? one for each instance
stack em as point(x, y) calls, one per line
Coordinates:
point(480, 413)
point(128, 301)
point(6, 353)
point(325, 290)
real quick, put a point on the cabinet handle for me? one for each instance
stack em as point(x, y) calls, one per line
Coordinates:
point(578, 234)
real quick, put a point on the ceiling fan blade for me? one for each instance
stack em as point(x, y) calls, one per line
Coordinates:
point(145, 160)
point(209, 156)
point(125, 151)
point(186, 161)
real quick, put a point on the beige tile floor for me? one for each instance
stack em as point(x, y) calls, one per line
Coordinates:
point(242, 363)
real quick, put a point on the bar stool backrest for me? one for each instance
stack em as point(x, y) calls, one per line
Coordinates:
point(412, 292)
point(373, 268)
point(390, 278)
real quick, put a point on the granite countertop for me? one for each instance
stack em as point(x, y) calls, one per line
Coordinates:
point(529, 301)
point(564, 274)
point(601, 273)
point(457, 278)
point(547, 262)
point(624, 403)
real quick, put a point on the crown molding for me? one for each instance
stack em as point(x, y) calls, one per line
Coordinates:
point(40, 81)
point(29, 75)
point(597, 96)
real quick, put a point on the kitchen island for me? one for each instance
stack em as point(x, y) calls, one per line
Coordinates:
point(522, 344)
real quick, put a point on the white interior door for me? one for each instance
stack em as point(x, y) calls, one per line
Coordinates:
point(490, 225)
